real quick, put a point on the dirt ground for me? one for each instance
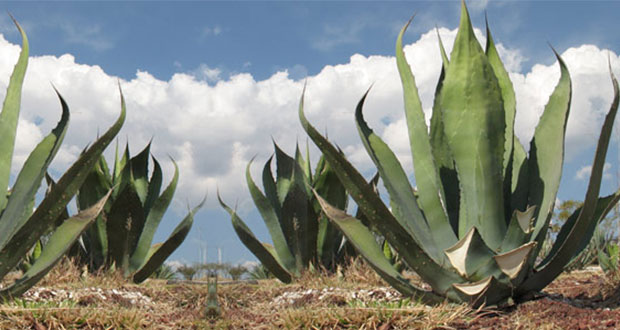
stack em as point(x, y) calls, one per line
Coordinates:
point(577, 300)
point(357, 299)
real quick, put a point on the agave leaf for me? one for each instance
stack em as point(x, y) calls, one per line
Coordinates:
point(328, 185)
point(154, 186)
point(152, 222)
point(284, 172)
point(364, 241)
point(102, 235)
point(271, 220)
point(444, 56)
point(53, 205)
point(320, 166)
point(508, 98)
point(471, 257)
point(293, 213)
point(299, 173)
point(125, 213)
point(163, 251)
point(305, 215)
point(520, 174)
point(387, 251)
point(18, 210)
point(97, 243)
point(512, 263)
point(152, 249)
point(60, 241)
point(510, 110)
point(135, 230)
point(519, 228)
point(307, 167)
point(431, 194)
point(473, 116)
point(95, 186)
point(586, 219)
point(10, 116)
point(603, 207)
point(442, 154)
point(140, 171)
point(474, 288)
point(117, 166)
point(304, 164)
point(547, 153)
point(378, 214)
point(329, 238)
point(404, 203)
point(102, 167)
point(269, 260)
point(95, 236)
point(122, 173)
point(36, 252)
point(273, 252)
point(271, 192)
point(483, 292)
point(65, 214)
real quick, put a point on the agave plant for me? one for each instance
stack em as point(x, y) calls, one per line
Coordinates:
point(475, 225)
point(609, 259)
point(122, 235)
point(302, 236)
point(21, 227)
point(212, 310)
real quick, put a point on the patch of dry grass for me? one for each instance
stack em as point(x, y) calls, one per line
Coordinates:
point(69, 298)
point(355, 297)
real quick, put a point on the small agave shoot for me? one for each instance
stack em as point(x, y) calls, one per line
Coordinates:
point(212, 309)
point(302, 236)
point(475, 227)
point(122, 235)
point(21, 227)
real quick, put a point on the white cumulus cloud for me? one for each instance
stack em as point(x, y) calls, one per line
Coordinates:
point(212, 131)
point(584, 172)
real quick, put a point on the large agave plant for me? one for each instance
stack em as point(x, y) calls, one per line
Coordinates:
point(475, 225)
point(122, 235)
point(20, 226)
point(302, 236)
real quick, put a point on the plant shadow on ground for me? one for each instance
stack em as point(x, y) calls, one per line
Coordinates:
point(354, 298)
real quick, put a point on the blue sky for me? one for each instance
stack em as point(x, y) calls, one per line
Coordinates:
point(262, 37)
point(212, 82)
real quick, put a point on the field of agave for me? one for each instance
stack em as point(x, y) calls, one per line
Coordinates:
point(118, 212)
point(474, 240)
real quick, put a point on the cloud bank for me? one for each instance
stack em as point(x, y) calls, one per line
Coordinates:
point(212, 126)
